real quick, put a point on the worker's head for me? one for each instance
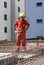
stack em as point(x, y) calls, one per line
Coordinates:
point(22, 15)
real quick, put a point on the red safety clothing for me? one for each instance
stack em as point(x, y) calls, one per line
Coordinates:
point(21, 34)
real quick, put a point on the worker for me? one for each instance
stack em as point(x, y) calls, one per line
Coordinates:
point(20, 26)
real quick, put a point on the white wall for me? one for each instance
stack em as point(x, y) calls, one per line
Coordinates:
point(20, 4)
point(33, 12)
point(15, 14)
point(4, 23)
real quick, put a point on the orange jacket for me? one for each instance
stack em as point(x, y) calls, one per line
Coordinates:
point(20, 25)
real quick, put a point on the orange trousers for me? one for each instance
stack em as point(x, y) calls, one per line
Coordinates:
point(21, 38)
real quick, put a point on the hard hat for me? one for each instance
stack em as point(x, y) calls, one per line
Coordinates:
point(22, 14)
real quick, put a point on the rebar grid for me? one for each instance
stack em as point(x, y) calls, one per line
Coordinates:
point(14, 60)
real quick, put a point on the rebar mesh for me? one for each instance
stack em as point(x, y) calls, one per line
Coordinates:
point(10, 57)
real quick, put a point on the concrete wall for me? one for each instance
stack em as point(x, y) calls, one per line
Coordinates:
point(5, 23)
point(20, 4)
point(33, 13)
point(15, 14)
point(12, 19)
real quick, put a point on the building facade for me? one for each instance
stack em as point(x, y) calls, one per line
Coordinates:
point(9, 12)
point(5, 20)
point(17, 6)
point(35, 15)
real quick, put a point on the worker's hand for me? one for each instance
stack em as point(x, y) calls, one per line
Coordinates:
point(23, 30)
point(15, 32)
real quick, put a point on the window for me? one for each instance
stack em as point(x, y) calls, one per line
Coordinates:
point(5, 17)
point(5, 39)
point(5, 29)
point(39, 4)
point(39, 37)
point(18, 9)
point(39, 21)
point(5, 4)
point(18, 0)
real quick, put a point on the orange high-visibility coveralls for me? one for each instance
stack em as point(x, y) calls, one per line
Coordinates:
point(21, 34)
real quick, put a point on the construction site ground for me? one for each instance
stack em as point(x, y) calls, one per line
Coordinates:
point(34, 55)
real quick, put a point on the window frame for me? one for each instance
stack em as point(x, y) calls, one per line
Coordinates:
point(18, 9)
point(39, 4)
point(18, 0)
point(5, 17)
point(39, 20)
point(5, 4)
point(5, 29)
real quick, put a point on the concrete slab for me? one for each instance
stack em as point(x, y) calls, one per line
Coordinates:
point(16, 55)
point(5, 55)
point(25, 55)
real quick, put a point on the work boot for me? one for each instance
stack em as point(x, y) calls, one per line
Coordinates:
point(24, 48)
point(18, 49)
